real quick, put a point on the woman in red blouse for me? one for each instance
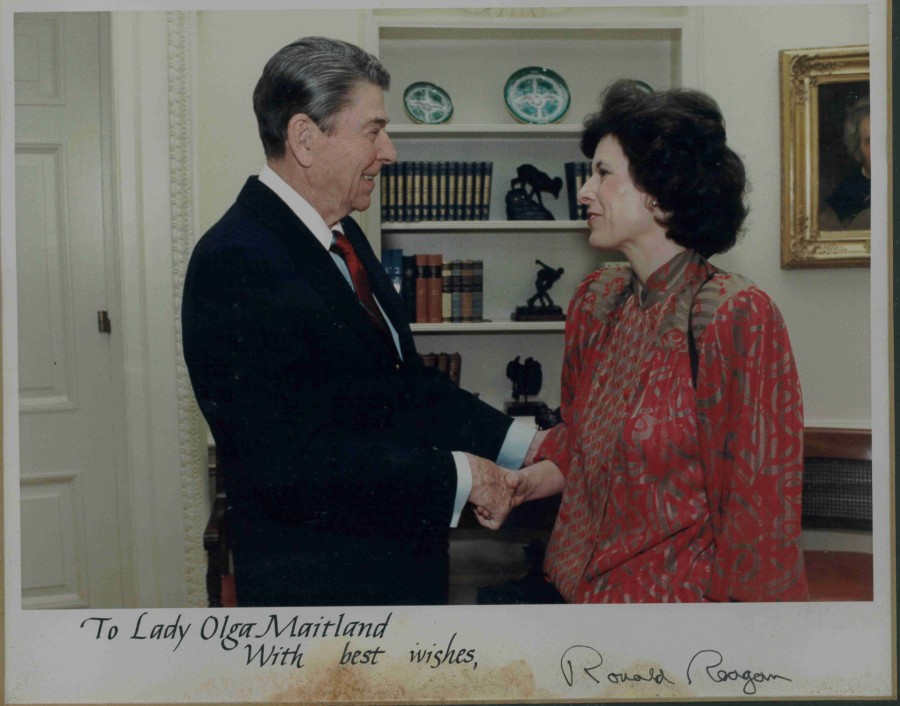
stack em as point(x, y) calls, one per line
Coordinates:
point(680, 471)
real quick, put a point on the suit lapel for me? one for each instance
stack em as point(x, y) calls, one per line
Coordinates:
point(315, 263)
point(381, 284)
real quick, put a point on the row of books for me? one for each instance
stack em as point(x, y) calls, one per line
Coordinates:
point(455, 191)
point(576, 174)
point(434, 290)
point(448, 363)
point(436, 191)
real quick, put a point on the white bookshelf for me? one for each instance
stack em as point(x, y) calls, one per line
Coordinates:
point(470, 54)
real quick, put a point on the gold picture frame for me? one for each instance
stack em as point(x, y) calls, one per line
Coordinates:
point(821, 90)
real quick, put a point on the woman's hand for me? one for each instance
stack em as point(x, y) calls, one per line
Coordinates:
point(521, 485)
point(539, 480)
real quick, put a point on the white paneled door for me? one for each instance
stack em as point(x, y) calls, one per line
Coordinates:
point(74, 552)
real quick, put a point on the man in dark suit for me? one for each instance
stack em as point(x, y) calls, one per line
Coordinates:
point(346, 461)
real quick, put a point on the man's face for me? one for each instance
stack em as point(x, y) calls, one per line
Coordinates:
point(345, 162)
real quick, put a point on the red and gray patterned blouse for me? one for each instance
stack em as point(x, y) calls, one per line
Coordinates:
point(674, 494)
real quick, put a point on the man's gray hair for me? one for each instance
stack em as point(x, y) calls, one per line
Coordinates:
point(314, 75)
point(855, 115)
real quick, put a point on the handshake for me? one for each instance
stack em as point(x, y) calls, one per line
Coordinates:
point(496, 490)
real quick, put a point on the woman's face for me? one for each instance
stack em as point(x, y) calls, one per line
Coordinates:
point(619, 215)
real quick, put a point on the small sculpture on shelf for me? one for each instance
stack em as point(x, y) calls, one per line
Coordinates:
point(547, 418)
point(524, 206)
point(547, 311)
point(526, 379)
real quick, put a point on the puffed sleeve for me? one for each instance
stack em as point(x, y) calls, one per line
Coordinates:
point(750, 419)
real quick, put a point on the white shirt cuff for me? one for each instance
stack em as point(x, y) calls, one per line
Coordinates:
point(463, 485)
point(515, 446)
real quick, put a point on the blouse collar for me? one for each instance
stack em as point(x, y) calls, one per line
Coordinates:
point(666, 279)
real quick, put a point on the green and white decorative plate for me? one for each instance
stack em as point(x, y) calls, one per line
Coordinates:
point(426, 103)
point(536, 95)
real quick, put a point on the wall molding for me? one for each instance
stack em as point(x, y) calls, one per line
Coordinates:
point(180, 46)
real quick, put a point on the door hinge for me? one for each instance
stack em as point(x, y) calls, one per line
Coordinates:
point(103, 324)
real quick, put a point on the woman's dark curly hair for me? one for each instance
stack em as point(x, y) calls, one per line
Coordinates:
point(675, 144)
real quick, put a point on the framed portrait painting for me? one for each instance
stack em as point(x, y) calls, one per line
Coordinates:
point(826, 160)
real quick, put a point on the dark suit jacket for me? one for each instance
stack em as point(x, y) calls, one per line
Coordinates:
point(335, 457)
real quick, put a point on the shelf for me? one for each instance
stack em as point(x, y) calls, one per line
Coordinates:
point(492, 327)
point(449, 226)
point(568, 131)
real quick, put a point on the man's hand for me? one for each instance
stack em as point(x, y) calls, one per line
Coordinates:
point(491, 493)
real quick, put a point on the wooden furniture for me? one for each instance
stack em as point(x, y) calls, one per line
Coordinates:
point(219, 579)
point(837, 496)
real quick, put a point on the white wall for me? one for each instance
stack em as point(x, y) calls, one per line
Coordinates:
point(827, 311)
point(233, 47)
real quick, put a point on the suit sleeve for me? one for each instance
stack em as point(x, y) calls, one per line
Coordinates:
point(307, 428)
point(457, 420)
point(750, 419)
point(451, 418)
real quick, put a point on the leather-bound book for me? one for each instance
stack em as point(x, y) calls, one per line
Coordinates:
point(422, 272)
point(435, 289)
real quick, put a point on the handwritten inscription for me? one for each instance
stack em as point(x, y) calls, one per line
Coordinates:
point(278, 641)
point(272, 656)
point(231, 634)
point(351, 656)
point(578, 659)
point(438, 657)
point(281, 642)
point(652, 676)
point(580, 663)
point(160, 631)
point(706, 662)
point(582, 659)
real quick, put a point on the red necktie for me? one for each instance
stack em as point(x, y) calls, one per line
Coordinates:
point(342, 247)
